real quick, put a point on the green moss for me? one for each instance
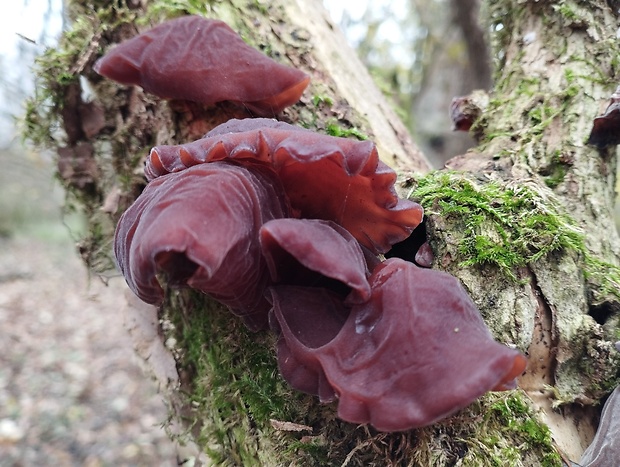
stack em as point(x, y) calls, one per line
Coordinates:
point(557, 175)
point(334, 129)
point(514, 415)
point(556, 171)
point(508, 432)
point(321, 99)
point(567, 12)
point(316, 448)
point(508, 226)
point(606, 276)
point(55, 72)
point(504, 226)
point(234, 390)
point(517, 416)
point(235, 387)
point(502, 17)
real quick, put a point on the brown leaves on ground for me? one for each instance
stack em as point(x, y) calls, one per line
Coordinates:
point(71, 390)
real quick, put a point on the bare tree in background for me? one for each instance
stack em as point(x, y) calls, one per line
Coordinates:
point(16, 79)
point(443, 54)
point(26, 185)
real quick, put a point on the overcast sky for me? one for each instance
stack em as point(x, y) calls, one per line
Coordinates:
point(35, 20)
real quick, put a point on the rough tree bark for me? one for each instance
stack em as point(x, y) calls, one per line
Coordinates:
point(526, 224)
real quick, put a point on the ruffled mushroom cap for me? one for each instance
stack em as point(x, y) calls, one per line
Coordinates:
point(200, 228)
point(203, 60)
point(324, 177)
point(416, 352)
point(315, 252)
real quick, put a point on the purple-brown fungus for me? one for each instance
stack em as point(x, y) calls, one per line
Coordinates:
point(315, 252)
point(606, 128)
point(200, 229)
point(465, 110)
point(415, 352)
point(324, 177)
point(203, 60)
point(283, 226)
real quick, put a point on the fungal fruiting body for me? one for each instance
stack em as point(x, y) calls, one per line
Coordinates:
point(302, 252)
point(324, 177)
point(200, 228)
point(606, 128)
point(203, 60)
point(412, 352)
point(283, 226)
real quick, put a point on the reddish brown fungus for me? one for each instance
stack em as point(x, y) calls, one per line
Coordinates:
point(465, 110)
point(416, 352)
point(462, 118)
point(324, 177)
point(200, 228)
point(424, 257)
point(398, 346)
point(306, 251)
point(203, 60)
point(606, 128)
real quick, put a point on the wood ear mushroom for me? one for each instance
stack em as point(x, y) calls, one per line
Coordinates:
point(203, 60)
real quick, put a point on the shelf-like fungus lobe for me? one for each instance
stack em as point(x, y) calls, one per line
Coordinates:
point(199, 228)
point(415, 352)
point(203, 60)
point(325, 177)
point(606, 128)
point(398, 346)
point(318, 253)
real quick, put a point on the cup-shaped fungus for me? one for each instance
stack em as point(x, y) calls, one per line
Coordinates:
point(203, 60)
point(325, 177)
point(315, 252)
point(606, 128)
point(398, 346)
point(199, 228)
point(415, 352)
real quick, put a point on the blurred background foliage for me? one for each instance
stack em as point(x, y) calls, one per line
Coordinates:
point(30, 199)
point(422, 53)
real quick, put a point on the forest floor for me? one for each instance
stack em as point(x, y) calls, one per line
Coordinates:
point(72, 392)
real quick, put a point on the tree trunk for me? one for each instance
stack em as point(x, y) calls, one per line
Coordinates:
point(526, 225)
point(556, 75)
